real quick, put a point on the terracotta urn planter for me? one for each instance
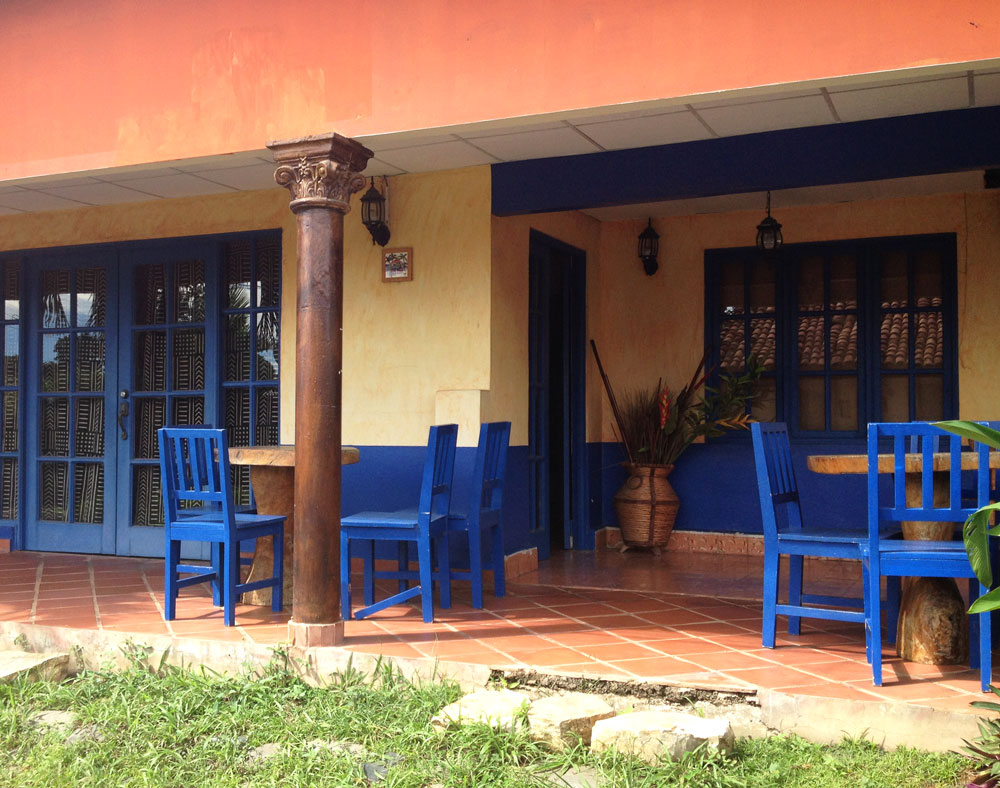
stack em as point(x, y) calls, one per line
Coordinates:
point(646, 505)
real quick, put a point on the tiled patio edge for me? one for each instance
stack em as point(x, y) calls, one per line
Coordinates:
point(815, 718)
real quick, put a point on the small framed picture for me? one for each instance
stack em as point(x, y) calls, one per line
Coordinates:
point(397, 265)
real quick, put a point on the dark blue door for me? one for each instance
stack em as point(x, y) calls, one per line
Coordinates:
point(71, 370)
point(168, 362)
point(122, 343)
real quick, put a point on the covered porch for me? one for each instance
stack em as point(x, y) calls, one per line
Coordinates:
point(637, 619)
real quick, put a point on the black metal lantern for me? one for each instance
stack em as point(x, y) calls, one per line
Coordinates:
point(769, 231)
point(649, 246)
point(374, 215)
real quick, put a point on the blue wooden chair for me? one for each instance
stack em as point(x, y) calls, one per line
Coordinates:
point(198, 507)
point(885, 558)
point(427, 524)
point(785, 534)
point(483, 515)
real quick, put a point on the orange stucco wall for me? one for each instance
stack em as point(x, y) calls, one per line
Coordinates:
point(88, 85)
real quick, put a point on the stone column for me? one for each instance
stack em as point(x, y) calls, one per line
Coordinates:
point(321, 173)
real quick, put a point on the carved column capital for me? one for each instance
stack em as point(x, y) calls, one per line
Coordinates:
point(320, 172)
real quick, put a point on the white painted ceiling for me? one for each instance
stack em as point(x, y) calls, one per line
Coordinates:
point(572, 133)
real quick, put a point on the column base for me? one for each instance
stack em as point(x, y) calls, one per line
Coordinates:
point(315, 635)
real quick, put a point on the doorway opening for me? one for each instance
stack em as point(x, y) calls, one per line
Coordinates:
point(557, 428)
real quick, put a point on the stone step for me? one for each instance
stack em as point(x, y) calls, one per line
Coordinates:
point(36, 667)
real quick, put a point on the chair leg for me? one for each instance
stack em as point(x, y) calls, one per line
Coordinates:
point(794, 592)
point(278, 591)
point(426, 578)
point(170, 580)
point(444, 570)
point(771, 563)
point(216, 551)
point(499, 579)
point(873, 623)
point(893, 592)
point(345, 577)
point(403, 564)
point(231, 573)
point(368, 571)
point(985, 646)
point(476, 565)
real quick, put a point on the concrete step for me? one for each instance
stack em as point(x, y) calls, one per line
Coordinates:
point(35, 667)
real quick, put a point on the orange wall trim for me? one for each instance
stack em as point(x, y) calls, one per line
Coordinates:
point(115, 82)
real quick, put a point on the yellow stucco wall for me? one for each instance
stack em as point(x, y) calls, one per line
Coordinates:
point(653, 326)
point(406, 341)
point(508, 396)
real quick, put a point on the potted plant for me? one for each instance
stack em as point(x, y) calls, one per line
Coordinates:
point(655, 426)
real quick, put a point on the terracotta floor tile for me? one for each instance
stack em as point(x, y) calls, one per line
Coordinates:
point(546, 657)
point(843, 670)
point(586, 610)
point(896, 689)
point(656, 667)
point(835, 689)
point(452, 649)
point(389, 650)
point(491, 658)
point(683, 646)
point(586, 637)
point(75, 622)
point(794, 655)
point(674, 618)
point(728, 660)
point(618, 651)
point(966, 682)
point(773, 677)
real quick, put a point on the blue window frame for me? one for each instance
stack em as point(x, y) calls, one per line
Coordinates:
point(848, 332)
point(251, 334)
point(10, 379)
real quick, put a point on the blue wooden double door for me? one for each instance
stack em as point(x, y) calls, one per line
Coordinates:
point(119, 342)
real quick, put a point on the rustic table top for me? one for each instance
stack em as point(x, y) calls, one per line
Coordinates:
point(282, 456)
point(858, 463)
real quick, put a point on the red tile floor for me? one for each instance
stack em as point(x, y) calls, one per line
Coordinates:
point(686, 618)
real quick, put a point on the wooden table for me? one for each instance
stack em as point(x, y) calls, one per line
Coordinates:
point(272, 475)
point(933, 625)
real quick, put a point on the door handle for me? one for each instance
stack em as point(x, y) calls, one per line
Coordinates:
point(123, 415)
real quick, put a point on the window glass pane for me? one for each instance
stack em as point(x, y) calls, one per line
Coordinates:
point(11, 291)
point(189, 301)
point(812, 403)
point(150, 361)
point(89, 437)
point(150, 415)
point(762, 298)
point(812, 343)
point(54, 491)
point(895, 398)
point(237, 350)
point(843, 282)
point(843, 402)
point(237, 416)
point(732, 353)
point(236, 287)
point(91, 297)
point(55, 298)
point(268, 272)
point(147, 500)
point(810, 290)
point(8, 438)
point(764, 404)
point(8, 490)
point(929, 343)
point(90, 361)
point(267, 346)
point(894, 280)
point(188, 411)
point(731, 288)
point(88, 492)
point(150, 294)
point(895, 341)
point(930, 397)
point(843, 341)
point(189, 359)
point(55, 362)
point(266, 432)
point(11, 360)
point(762, 341)
point(927, 285)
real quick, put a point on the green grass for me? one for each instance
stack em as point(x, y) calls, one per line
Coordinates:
point(176, 728)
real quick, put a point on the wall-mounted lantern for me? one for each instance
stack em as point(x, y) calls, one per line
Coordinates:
point(769, 231)
point(375, 214)
point(649, 247)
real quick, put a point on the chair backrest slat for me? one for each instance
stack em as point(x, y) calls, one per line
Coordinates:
point(439, 471)
point(776, 484)
point(486, 490)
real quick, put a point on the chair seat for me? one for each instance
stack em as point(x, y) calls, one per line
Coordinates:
point(834, 535)
point(242, 520)
point(401, 519)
